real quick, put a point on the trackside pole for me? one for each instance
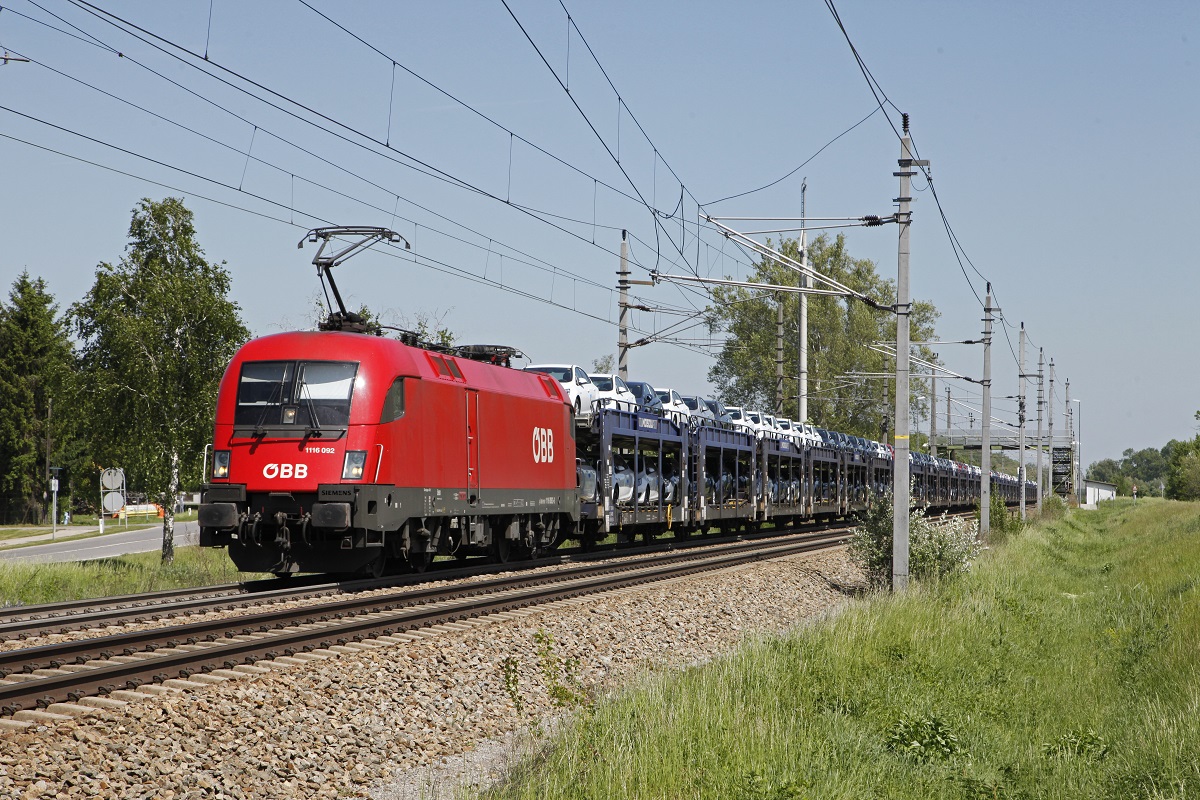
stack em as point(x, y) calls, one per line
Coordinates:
point(985, 453)
point(900, 477)
point(1041, 443)
point(1021, 421)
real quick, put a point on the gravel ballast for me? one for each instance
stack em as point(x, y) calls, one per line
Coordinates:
point(410, 716)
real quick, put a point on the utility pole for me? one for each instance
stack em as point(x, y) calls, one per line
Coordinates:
point(948, 436)
point(49, 409)
point(900, 488)
point(779, 356)
point(1068, 423)
point(933, 415)
point(1021, 422)
point(985, 453)
point(1041, 443)
point(802, 383)
point(623, 331)
point(1050, 422)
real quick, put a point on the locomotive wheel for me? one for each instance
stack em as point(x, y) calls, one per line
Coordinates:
point(502, 549)
point(420, 561)
point(375, 568)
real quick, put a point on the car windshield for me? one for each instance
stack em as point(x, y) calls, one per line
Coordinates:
point(691, 402)
point(664, 396)
point(560, 374)
point(603, 382)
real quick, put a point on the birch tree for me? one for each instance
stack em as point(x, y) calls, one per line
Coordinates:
point(156, 331)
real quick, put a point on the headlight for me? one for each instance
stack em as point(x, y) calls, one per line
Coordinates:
point(220, 464)
point(355, 463)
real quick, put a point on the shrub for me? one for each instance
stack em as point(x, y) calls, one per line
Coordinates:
point(937, 548)
point(1053, 506)
point(923, 738)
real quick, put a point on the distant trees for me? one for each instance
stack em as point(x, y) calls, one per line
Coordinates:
point(1144, 468)
point(36, 365)
point(1175, 467)
point(842, 334)
point(1183, 470)
point(156, 332)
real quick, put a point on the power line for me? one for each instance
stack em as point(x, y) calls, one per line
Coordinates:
point(798, 168)
point(421, 166)
point(450, 96)
point(409, 255)
point(616, 160)
point(546, 268)
point(872, 84)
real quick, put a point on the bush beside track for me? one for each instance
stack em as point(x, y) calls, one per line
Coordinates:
point(1062, 666)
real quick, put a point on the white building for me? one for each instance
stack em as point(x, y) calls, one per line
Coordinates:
point(1095, 491)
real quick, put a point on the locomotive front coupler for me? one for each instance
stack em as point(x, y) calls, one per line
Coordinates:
point(283, 538)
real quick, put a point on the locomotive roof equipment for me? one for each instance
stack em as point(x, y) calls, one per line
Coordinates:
point(343, 320)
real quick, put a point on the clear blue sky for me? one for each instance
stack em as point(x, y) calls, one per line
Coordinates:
point(1063, 138)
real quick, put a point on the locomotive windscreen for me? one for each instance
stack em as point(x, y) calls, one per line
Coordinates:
point(305, 394)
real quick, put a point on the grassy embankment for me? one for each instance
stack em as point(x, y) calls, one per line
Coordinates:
point(22, 584)
point(1064, 666)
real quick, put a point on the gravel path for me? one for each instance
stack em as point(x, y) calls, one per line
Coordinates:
point(417, 716)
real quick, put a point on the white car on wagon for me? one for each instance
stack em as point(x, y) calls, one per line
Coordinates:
point(612, 392)
point(581, 392)
point(673, 405)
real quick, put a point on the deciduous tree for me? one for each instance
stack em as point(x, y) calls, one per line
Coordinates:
point(157, 330)
point(842, 333)
point(1183, 472)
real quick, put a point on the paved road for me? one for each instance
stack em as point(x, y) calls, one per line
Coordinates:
point(106, 546)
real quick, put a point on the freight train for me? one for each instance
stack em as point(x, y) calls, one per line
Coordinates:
point(344, 452)
point(339, 451)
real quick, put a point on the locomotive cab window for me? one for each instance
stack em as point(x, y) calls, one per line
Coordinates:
point(302, 394)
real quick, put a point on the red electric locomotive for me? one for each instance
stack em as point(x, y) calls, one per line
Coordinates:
point(335, 451)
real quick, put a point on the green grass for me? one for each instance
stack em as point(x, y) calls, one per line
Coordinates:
point(1064, 666)
point(24, 584)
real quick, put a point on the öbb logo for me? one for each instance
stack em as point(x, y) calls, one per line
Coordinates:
point(272, 471)
point(543, 445)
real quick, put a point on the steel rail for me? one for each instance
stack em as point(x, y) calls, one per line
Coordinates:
point(33, 621)
point(43, 691)
point(53, 656)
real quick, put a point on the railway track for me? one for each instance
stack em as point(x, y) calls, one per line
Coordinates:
point(181, 655)
point(32, 621)
point(26, 622)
